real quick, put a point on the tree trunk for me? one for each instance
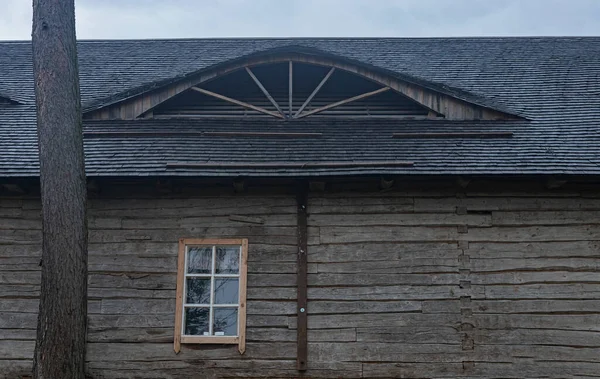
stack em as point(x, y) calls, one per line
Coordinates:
point(61, 329)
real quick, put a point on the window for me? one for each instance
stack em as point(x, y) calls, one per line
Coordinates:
point(211, 292)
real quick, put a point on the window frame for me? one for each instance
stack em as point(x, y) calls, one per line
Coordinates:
point(180, 337)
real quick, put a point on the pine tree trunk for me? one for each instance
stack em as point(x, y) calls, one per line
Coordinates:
point(61, 330)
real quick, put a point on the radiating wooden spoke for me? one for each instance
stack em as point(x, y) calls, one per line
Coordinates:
point(346, 101)
point(234, 101)
point(316, 90)
point(264, 90)
point(290, 114)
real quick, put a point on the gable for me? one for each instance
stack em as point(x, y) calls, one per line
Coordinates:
point(290, 90)
point(331, 82)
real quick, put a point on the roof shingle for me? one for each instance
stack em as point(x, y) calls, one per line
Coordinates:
point(553, 82)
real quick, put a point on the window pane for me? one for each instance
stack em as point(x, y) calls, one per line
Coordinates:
point(228, 260)
point(196, 321)
point(225, 321)
point(198, 291)
point(226, 290)
point(199, 260)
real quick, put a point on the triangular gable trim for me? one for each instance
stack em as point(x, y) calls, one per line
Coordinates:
point(428, 94)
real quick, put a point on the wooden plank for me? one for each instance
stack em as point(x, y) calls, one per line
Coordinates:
point(345, 101)
point(314, 92)
point(264, 91)
point(302, 279)
point(243, 304)
point(290, 88)
point(234, 101)
point(179, 297)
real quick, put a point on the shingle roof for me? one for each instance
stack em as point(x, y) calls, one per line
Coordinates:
point(553, 82)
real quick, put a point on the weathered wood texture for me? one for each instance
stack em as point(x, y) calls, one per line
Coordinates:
point(401, 284)
point(62, 323)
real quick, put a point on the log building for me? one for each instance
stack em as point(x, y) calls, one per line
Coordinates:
point(322, 208)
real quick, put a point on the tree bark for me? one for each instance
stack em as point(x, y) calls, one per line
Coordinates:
point(61, 329)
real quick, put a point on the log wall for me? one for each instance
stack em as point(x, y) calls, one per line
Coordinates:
point(401, 285)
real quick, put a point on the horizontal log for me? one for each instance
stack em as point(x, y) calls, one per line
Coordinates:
point(572, 338)
point(391, 352)
point(32, 249)
point(289, 335)
point(564, 291)
point(383, 251)
point(539, 352)
point(551, 264)
point(137, 306)
point(14, 349)
point(392, 292)
point(412, 334)
point(506, 203)
point(585, 322)
point(377, 320)
point(564, 306)
point(19, 334)
point(16, 223)
point(20, 237)
point(534, 277)
point(206, 203)
point(574, 217)
point(368, 279)
point(131, 335)
point(399, 219)
point(483, 368)
point(221, 368)
point(534, 233)
point(398, 266)
point(400, 369)
point(260, 234)
point(529, 249)
point(357, 205)
point(119, 352)
point(205, 222)
point(354, 234)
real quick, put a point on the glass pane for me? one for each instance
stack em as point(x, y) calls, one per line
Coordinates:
point(199, 260)
point(225, 321)
point(228, 260)
point(198, 291)
point(196, 321)
point(226, 290)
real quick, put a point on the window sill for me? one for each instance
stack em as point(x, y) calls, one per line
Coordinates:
point(217, 340)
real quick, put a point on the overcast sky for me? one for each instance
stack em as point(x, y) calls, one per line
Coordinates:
point(97, 19)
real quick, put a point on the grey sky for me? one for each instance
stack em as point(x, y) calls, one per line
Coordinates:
point(98, 19)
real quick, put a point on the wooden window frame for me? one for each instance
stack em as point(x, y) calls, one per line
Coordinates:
point(240, 339)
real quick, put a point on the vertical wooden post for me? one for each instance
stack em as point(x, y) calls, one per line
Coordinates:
point(290, 89)
point(302, 352)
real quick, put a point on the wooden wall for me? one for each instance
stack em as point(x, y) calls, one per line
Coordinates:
point(401, 285)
